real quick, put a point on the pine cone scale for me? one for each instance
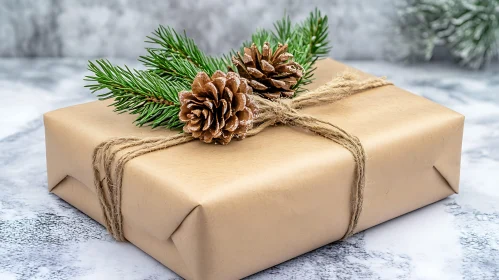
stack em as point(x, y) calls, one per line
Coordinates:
point(248, 59)
point(219, 83)
point(267, 67)
point(280, 84)
point(232, 123)
point(255, 72)
point(208, 121)
point(258, 86)
point(239, 102)
point(245, 115)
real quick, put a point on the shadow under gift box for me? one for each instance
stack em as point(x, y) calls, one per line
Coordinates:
point(225, 212)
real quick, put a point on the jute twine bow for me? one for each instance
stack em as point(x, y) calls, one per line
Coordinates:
point(286, 112)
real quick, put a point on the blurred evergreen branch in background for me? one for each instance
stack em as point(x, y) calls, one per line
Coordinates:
point(469, 29)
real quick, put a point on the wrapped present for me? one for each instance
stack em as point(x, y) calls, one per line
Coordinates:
point(225, 212)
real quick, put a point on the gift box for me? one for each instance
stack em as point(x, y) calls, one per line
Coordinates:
point(225, 212)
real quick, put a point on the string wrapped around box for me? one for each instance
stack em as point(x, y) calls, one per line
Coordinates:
point(118, 151)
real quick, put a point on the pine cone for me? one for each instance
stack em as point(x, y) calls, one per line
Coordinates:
point(217, 108)
point(271, 75)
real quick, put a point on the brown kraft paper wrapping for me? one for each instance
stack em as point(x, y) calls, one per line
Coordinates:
point(225, 212)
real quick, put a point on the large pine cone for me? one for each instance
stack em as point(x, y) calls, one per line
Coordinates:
point(217, 108)
point(271, 75)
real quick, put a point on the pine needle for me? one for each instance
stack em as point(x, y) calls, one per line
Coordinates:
point(144, 93)
point(176, 55)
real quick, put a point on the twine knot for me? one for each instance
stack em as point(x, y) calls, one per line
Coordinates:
point(280, 112)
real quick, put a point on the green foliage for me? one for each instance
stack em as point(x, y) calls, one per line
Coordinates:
point(153, 94)
point(469, 29)
point(307, 41)
point(177, 56)
point(175, 60)
point(145, 93)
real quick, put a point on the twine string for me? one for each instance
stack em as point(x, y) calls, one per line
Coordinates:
point(119, 151)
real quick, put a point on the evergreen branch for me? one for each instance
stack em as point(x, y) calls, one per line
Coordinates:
point(259, 38)
point(170, 67)
point(283, 29)
point(312, 35)
point(138, 92)
point(176, 52)
point(315, 29)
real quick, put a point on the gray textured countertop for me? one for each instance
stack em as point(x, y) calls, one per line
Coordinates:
point(42, 237)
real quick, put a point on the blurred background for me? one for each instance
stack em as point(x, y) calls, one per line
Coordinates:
point(405, 30)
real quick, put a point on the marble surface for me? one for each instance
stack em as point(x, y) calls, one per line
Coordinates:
point(42, 237)
point(362, 29)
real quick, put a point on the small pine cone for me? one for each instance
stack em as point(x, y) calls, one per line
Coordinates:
point(217, 108)
point(271, 75)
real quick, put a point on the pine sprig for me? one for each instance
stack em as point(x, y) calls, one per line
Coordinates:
point(175, 60)
point(312, 36)
point(170, 67)
point(307, 41)
point(144, 93)
point(259, 38)
point(175, 53)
